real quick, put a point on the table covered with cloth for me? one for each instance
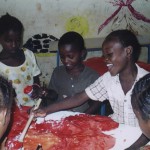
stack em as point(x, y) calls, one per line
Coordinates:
point(67, 130)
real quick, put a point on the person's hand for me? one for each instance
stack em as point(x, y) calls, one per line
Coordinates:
point(39, 112)
point(147, 147)
point(37, 91)
point(3, 145)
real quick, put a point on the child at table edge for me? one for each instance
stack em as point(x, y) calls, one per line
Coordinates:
point(6, 101)
point(18, 65)
point(73, 76)
point(121, 51)
point(140, 100)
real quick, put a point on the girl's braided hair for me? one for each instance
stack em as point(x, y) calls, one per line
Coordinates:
point(8, 22)
point(140, 97)
point(6, 94)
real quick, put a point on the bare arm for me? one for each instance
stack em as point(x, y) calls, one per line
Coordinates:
point(69, 102)
point(142, 140)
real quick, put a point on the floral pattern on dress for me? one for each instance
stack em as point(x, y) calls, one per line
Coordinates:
point(21, 76)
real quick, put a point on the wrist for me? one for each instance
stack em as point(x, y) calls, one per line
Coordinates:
point(46, 111)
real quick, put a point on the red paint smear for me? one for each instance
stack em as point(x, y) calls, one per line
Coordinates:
point(80, 132)
point(121, 4)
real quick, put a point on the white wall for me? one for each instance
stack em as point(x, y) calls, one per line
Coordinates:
point(56, 17)
point(51, 16)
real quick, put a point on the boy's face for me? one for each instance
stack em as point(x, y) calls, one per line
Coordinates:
point(144, 124)
point(70, 56)
point(11, 41)
point(115, 57)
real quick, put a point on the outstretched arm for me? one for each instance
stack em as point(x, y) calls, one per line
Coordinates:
point(142, 140)
point(94, 107)
point(67, 103)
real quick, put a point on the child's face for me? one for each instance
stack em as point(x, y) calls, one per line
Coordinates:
point(144, 124)
point(11, 41)
point(5, 118)
point(115, 57)
point(70, 57)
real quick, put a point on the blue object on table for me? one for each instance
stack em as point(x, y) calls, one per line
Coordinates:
point(103, 109)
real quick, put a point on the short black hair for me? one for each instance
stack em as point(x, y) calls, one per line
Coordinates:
point(72, 38)
point(8, 22)
point(126, 38)
point(140, 98)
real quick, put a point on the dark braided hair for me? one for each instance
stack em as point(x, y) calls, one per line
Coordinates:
point(8, 22)
point(126, 38)
point(140, 98)
point(6, 91)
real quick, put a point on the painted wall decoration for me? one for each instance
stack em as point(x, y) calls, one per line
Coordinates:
point(79, 24)
point(55, 17)
point(40, 44)
point(127, 13)
point(59, 16)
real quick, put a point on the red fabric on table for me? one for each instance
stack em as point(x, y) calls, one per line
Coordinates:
point(77, 132)
point(18, 121)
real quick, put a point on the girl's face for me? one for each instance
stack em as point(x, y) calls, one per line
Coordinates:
point(5, 118)
point(144, 124)
point(70, 57)
point(11, 41)
point(115, 57)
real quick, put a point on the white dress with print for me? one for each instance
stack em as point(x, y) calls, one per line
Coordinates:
point(21, 76)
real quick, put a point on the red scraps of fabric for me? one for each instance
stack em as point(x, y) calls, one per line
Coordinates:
point(79, 132)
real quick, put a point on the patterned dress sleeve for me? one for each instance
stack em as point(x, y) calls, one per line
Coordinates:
point(35, 69)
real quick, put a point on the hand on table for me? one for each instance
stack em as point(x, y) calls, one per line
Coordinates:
point(147, 147)
point(39, 112)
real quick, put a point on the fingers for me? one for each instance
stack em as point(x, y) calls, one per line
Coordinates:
point(39, 113)
point(37, 91)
